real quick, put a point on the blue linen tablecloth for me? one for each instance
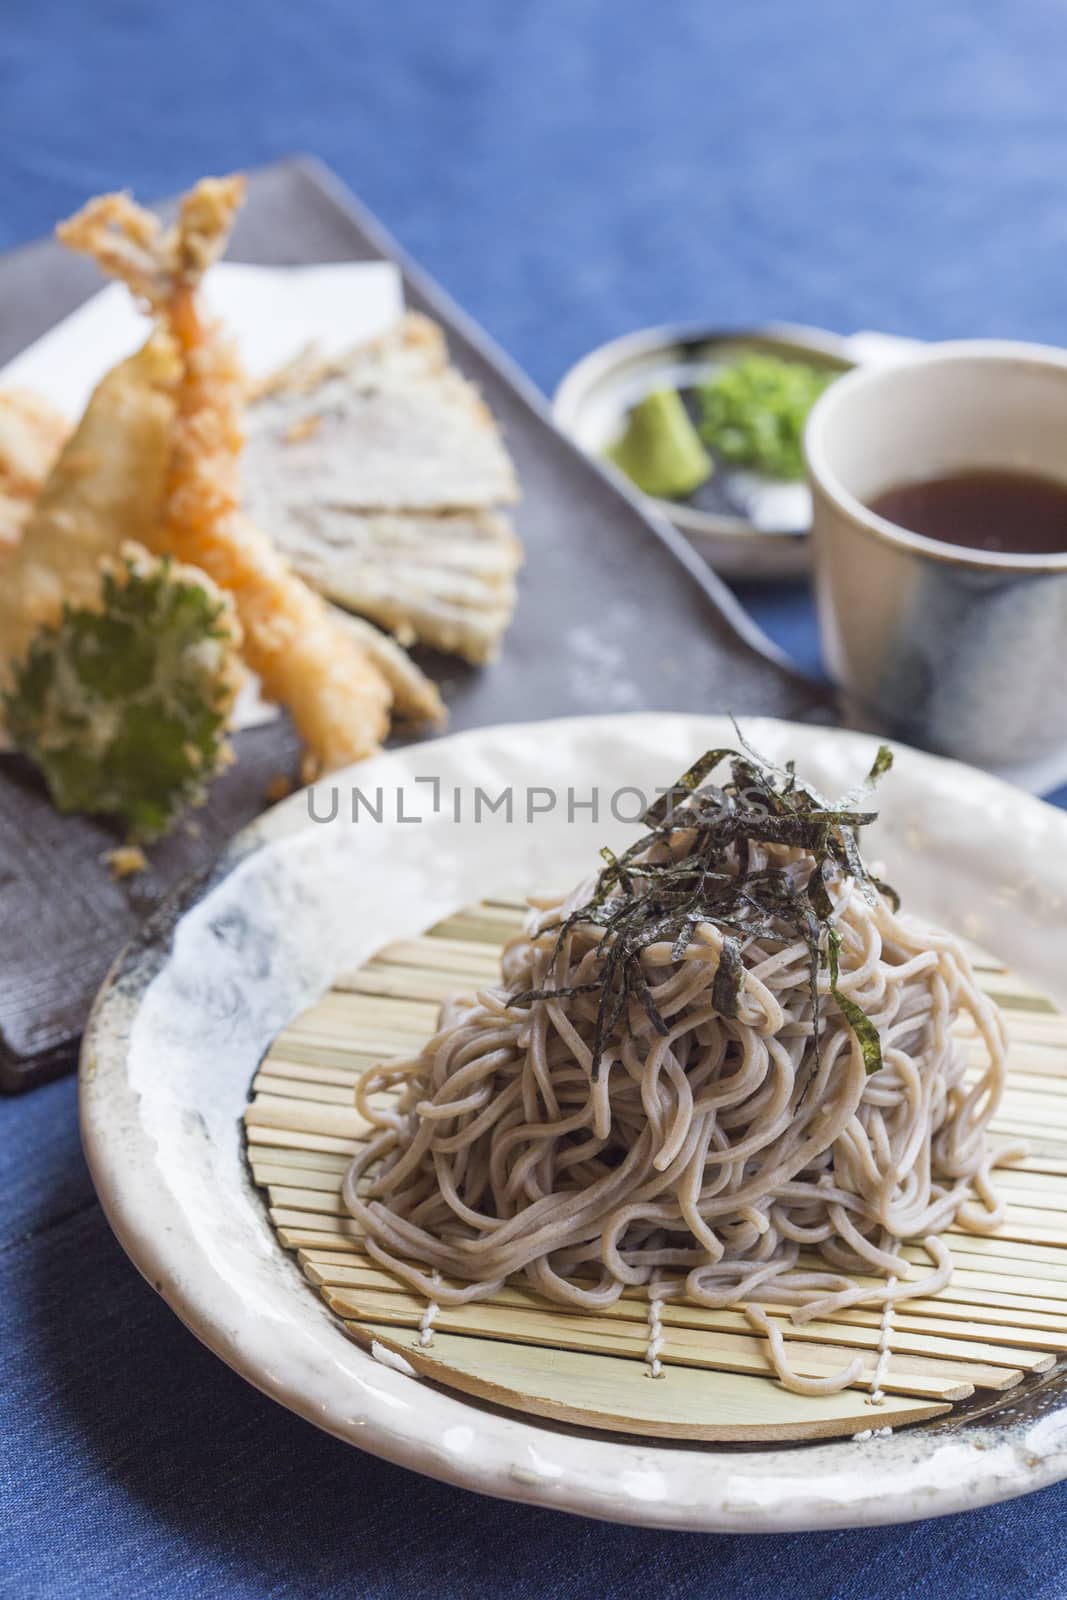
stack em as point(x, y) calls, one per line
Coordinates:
point(569, 169)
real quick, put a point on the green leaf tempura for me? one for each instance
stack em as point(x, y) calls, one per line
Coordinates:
point(123, 706)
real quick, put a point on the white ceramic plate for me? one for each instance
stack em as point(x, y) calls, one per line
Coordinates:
point(188, 1011)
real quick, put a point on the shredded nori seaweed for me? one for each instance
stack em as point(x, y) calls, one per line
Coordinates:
point(638, 903)
point(726, 990)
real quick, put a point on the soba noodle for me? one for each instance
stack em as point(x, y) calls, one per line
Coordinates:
point(749, 1160)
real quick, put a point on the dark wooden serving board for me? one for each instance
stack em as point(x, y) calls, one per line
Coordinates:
point(615, 613)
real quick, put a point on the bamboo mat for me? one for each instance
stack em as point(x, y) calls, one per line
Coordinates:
point(1002, 1319)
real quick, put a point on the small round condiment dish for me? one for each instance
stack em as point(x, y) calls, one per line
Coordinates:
point(746, 525)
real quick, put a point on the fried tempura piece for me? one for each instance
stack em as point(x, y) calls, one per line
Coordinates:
point(108, 483)
point(106, 487)
point(379, 475)
point(126, 860)
point(416, 698)
point(32, 432)
point(157, 264)
point(123, 706)
point(305, 657)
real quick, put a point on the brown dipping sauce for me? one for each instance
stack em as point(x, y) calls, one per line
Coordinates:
point(1015, 513)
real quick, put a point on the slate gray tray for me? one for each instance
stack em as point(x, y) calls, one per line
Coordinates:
point(616, 613)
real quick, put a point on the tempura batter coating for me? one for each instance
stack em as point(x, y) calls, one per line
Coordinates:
point(106, 487)
point(305, 657)
point(32, 432)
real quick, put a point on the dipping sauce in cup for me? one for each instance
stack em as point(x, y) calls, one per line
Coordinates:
point(940, 533)
point(1011, 512)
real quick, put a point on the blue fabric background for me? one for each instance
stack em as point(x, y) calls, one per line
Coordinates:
point(569, 169)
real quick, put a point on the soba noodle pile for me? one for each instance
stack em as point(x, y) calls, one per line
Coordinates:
point(723, 1071)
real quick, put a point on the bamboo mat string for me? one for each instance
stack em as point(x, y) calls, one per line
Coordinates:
point(881, 1368)
point(426, 1321)
point(655, 1334)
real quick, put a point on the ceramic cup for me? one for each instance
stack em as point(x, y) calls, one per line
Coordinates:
point(960, 651)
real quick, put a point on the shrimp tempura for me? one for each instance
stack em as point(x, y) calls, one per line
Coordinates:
point(304, 655)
